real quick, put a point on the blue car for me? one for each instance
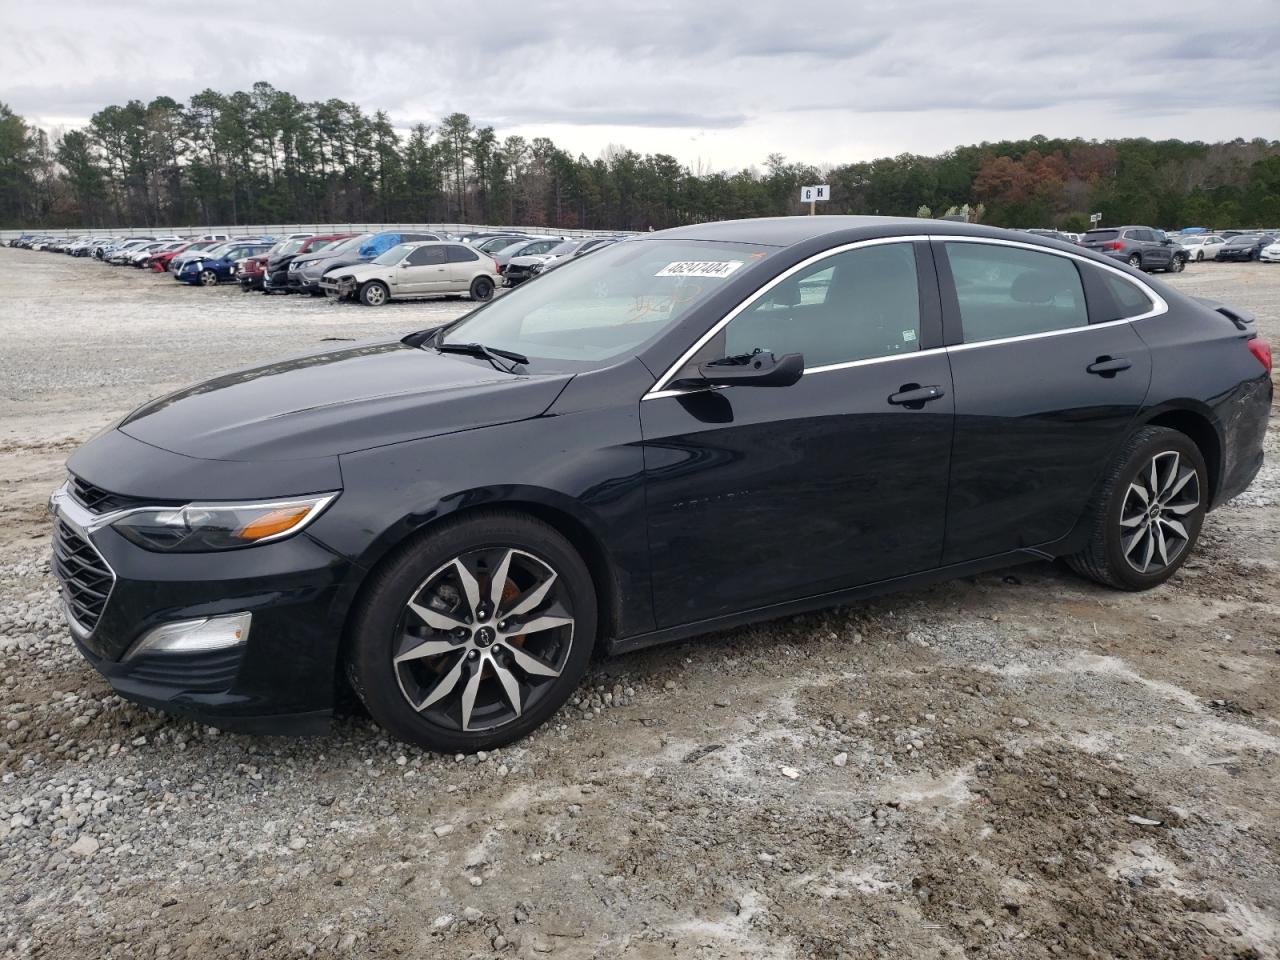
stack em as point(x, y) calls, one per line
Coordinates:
point(217, 264)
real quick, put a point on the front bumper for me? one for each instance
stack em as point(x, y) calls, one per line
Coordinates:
point(338, 287)
point(1234, 256)
point(281, 679)
point(300, 282)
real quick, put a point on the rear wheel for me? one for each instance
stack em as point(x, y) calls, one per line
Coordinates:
point(1148, 513)
point(474, 635)
point(208, 278)
point(374, 293)
point(1135, 261)
point(482, 289)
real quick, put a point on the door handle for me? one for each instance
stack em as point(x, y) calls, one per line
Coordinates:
point(1109, 366)
point(913, 396)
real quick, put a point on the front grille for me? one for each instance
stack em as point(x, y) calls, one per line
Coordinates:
point(86, 579)
point(97, 500)
point(92, 497)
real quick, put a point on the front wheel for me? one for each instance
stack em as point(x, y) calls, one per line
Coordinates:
point(474, 635)
point(482, 289)
point(1177, 265)
point(1148, 513)
point(208, 278)
point(1199, 256)
point(374, 294)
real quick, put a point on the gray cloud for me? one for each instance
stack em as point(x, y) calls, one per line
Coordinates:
point(821, 80)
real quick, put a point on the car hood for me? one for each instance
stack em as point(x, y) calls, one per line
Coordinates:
point(338, 401)
point(326, 262)
point(360, 270)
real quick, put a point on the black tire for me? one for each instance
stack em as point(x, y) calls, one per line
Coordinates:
point(482, 289)
point(1199, 256)
point(1134, 261)
point(208, 278)
point(382, 623)
point(1104, 558)
point(374, 293)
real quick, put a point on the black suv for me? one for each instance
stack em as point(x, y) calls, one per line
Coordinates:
point(1145, 248)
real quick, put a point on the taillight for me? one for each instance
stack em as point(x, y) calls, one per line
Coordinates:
point(499, 266)
point(1114, 245)
point(1262, 350)
point(496, 268)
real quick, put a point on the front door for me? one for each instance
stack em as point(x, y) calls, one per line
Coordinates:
point(1043, 398)
point(758, 495)
point(425, 270)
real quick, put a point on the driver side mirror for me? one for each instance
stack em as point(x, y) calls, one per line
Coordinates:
point(760, 369)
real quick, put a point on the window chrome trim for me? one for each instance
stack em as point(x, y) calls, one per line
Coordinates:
point(1159, 307)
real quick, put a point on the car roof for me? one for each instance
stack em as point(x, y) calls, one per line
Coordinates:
point(787, 231)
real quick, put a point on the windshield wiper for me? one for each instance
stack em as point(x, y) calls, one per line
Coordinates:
point(492, 354)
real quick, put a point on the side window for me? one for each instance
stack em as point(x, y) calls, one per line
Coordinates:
point(459, 254)
point(422, 256)
point(856, 305)
point(1011, 292)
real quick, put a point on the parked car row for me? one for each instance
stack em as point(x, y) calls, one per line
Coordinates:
point(371, 268)
point(1148, 248)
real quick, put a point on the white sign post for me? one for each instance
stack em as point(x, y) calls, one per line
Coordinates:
point(811, 195)
point(1095, 218)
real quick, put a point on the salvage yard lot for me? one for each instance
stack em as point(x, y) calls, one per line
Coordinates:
point(1019, 764)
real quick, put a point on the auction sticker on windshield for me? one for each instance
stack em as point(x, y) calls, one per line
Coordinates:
point(699, 268)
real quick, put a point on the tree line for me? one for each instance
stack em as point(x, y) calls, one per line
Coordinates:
point(264, 156)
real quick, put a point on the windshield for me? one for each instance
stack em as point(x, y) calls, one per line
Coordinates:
point(350, 244)
point(600, 307)
point(286, 247)
point(560, 249)
point(394, 255)
point(1243, 240)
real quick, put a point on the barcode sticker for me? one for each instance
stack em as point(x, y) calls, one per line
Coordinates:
point(699, 268)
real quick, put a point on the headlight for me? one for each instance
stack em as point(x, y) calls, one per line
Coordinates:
point(199, 527)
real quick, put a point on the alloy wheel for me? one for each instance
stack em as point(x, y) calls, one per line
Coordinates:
point(375, 295)
point(483, 638)
point(208, 278)
point(1152, 518)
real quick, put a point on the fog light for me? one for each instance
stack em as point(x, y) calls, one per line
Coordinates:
point(195, 636)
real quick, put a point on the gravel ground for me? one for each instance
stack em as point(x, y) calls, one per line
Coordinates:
point(1020, 764)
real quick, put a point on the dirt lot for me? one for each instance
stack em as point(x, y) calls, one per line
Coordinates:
point(952, 772)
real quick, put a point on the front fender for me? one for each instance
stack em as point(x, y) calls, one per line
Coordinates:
point(580, 471)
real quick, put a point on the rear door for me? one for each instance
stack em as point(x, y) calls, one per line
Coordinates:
point(1043, 396)
point(758, 495)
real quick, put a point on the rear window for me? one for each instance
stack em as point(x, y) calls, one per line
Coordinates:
point(459, 254)
point(1100, 235)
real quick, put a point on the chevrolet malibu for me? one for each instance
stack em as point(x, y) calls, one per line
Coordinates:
point(692, 430)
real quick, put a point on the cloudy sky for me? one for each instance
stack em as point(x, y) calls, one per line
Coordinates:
point(721, 84)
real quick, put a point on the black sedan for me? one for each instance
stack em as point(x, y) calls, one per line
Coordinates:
point(690, 430)
point(1247, 246)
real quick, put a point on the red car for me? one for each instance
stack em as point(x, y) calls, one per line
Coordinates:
point(250, 272)
point(160, 262)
